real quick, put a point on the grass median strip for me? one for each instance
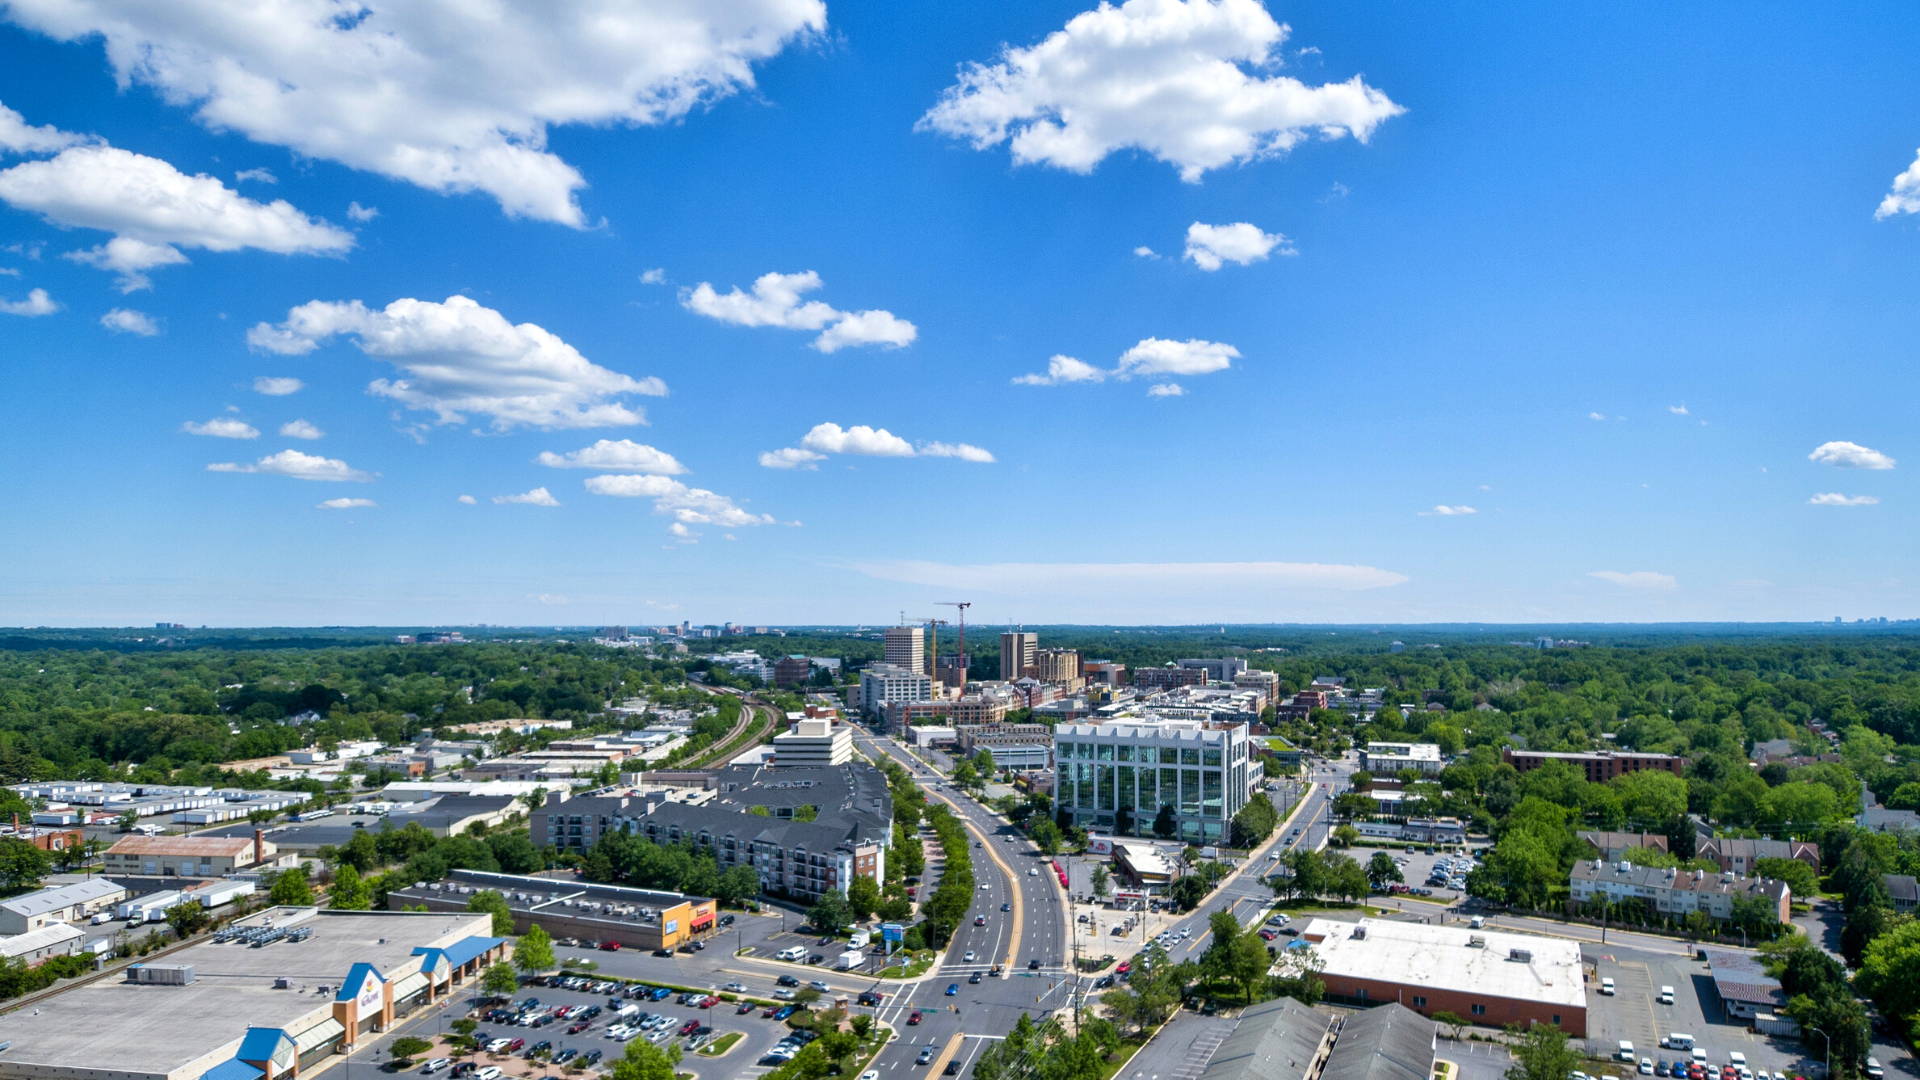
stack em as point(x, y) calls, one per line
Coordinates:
point(721, 1045)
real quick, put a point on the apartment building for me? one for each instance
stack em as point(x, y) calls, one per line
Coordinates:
point(792, 670)
point(1611, 846)
point(883, 685)
point(1103, 672)
point(1600, 766)
point(1267, 682)
point(1675, 892)
point(1118, 775)
point(1221, 671)
point(1737, 855)
point(1058, 666)
point(1387, 759)
point(1166, 678)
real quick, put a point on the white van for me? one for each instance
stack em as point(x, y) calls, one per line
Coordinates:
point(1666, 995)
point(1477, 922)
point(798, 952)
point(1873, 1068)
point(1682, 1041)
point(1737, 1059)
point(1699, 1056)
point(1606, 987)
point(1626, 1051)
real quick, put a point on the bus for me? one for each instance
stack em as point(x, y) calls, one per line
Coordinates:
point(313, 815)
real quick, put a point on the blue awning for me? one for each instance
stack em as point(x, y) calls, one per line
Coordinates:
point(232, 1070)
point(460, 952)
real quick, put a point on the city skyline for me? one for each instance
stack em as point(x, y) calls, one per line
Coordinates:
point(809, 313)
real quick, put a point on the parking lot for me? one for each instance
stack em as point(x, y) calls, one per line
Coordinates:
point(1415, 867)
point(1632, 1013)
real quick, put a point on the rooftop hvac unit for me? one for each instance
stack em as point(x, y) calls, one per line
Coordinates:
point(162, 974)
point(1359, 933)
point(1524, 956)
point(1476, 942)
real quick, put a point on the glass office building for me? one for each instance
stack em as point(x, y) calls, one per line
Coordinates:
point(1123, 776)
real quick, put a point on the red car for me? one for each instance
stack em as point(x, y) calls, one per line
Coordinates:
point(1125, 966)
point(709, 1002)
point(609, 946)
point(687, 1028)
point(579, 1027)
point(913, 1018)
point(514, 1046)
point(1269, 935)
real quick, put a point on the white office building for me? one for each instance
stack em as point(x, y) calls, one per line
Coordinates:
point(1388, 758)
point(1119, 775)
point(817, 743)
point(883, 684)
point(907, 648)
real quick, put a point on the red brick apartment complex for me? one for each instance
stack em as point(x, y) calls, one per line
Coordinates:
point(1600, 765)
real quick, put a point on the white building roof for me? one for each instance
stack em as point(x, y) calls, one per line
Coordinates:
point(35, 940)
point(63, 896)
point(1441, 957)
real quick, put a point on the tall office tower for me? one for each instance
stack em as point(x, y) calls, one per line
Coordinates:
point(907, 648)
point(1018, 652)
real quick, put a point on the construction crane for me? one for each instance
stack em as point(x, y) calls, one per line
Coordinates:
point(963, 628)
point(933, 642)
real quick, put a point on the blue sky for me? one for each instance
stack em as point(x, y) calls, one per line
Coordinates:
point(1563, 229)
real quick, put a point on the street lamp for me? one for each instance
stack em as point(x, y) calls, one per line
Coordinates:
point(1829, 1041)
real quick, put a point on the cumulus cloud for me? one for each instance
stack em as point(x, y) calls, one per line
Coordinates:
point(1596, 416)
point(1448, 511)
point(300, 429)
point(1677, 410)
point(129, 321)
point(775, 301)
point(791, 458)
point(1213, 246)
point(1640, 580)
point(1170, 389)
point(1905, 196)
point(463, 358)
point(1156, 356)
point(623, 455)
point(447, 95)
point(830, 438)
point(222, 427)
point(1056, 578)
point(1849, 455)
point(1174, 78)
point(265, 176)
point(687, 505)
point(1836, 499)
point(273, 386)
point(362, 214)
point(683, 534)
point(467, 500)
point(655, 276)
point(1145, 252)
point(1064, 369)
point(537, 497)
point(344, 504)
point(299, 466)
point(155, 209)
point(19, 137)
point(36, 303)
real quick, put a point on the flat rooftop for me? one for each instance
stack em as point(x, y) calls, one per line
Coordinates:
point(1414, 954)
point(123, 1029)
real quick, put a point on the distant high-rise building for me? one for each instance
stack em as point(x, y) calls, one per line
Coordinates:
point(1019, 651)
point(1057, 665)
point(907, 648)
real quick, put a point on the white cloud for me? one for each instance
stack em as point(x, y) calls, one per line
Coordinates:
point(299, 466)
point(277, 387)
point(1640, 580)
point(775, 301)
point(19, 137)
point(830, 438)
point(1677, 410)
point(1596, 416)
point(537, 497)
point(265, 176)
point(1145, 252)
point(344, 504)
point(467, 500)
point(463, 358)
point(655, 276)
point(1170, 389)
point(683, 534)
point(1448, 511)
point(1848, 455)
point(10, 271)
point(791, 458)
point(154, 209)
point(688, 506)
point(1164, 76)
point(1905, 196)
point(129, 321)
point(300, 429)
point(362, 214)
point(450, 96)
point(623, 455)
point(1212, 246)
point(1057, 578)
point(1156, 356)
point(1064, 369)
point(36, 303)
point(1836, 499)
point(222, 427)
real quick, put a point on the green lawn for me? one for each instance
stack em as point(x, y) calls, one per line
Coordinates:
point(720, 1045)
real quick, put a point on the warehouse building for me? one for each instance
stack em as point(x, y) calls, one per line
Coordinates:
point(298, 985)
point(186, 856)
point(1488, 977)
point(60, 904)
